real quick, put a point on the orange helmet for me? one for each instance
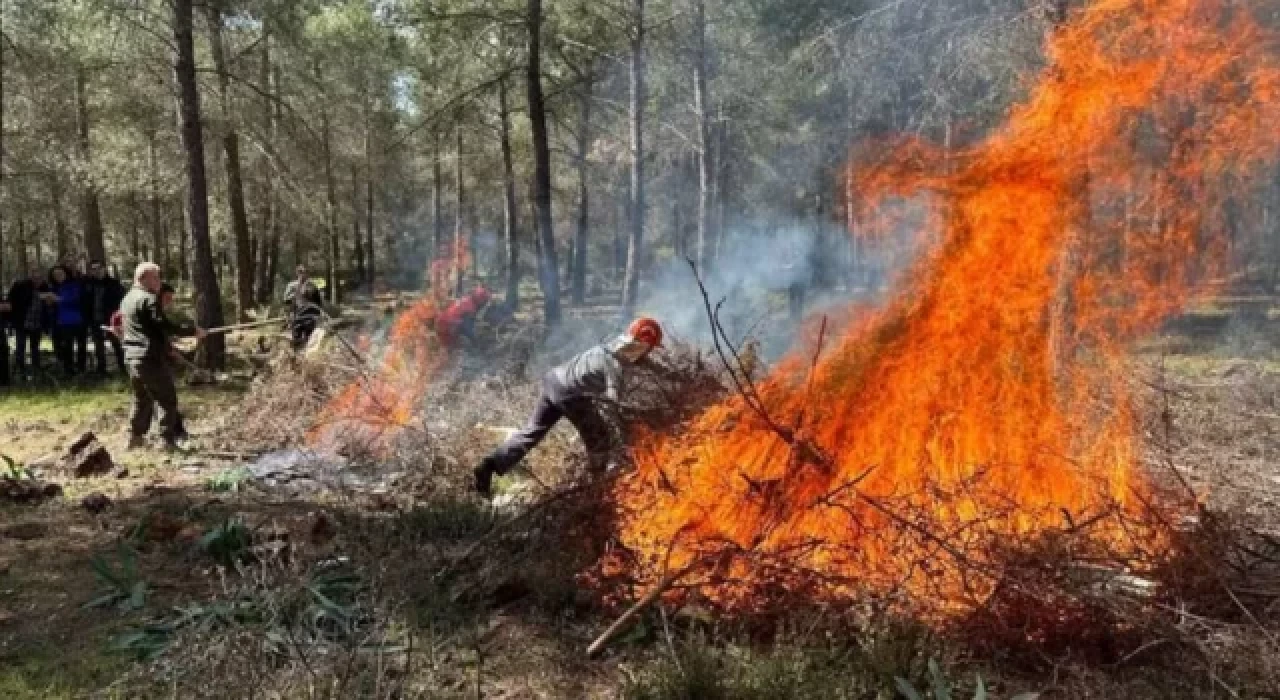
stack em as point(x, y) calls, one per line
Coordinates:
point(647, 331)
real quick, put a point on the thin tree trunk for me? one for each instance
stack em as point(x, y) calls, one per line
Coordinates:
point(635, 244)
point(459, 216)
point(701, 98)
point(62, 241)
point(371, 266)
point(334, 258)
point(94, 243)
point(509, 210)
point(357, 247)
point(270, 208)
point(208, 298)
point(548, 267)
point(231, 151)
point(159, 255)
point(437, 199)
point(579, 272)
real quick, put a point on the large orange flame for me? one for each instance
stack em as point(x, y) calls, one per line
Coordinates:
point(383, 400)
point(988, 400)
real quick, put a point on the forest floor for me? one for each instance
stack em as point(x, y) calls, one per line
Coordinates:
point(205, 578)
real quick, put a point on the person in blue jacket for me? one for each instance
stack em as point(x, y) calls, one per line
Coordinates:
point(70, 334)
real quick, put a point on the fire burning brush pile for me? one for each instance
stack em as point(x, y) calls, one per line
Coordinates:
point(921, 452)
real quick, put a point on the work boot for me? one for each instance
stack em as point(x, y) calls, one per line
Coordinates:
point(137, 442)
point(484, 479)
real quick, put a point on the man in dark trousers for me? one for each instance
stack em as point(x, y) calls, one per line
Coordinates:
point(29, 315)
point(585, 390)
point(146, 342)
point(102, 296)
point(304, 306)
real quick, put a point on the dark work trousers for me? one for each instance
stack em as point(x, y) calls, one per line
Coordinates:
point(71, 345)
point(101, 339)
point(5, 379)
point(581, 412)
point(152, 384)
point(303, 327)
point(28, 344)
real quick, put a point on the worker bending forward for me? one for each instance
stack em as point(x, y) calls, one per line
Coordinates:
point(584, 390)
point(146, 332)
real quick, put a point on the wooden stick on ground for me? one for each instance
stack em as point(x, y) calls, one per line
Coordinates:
point(623, 623)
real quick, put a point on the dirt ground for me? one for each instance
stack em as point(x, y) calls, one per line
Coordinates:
point(508, 621)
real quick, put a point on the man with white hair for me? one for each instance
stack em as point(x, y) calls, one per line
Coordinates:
point(146, 333)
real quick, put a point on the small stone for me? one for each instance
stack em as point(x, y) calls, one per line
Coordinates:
point(122, 473)
point(322, 528)
point(95, 503)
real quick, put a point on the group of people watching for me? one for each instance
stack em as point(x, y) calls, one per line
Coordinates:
point(71, 305)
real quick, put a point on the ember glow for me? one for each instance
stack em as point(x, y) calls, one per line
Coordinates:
point(988, 401)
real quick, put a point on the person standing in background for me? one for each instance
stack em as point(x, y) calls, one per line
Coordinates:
point(5, 310)
point(102, 296)
point(304, 308)
point(70, 337)
point(30, 307)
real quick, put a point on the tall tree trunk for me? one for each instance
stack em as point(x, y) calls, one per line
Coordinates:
point(357, 238)
point(635, 244)
point(62, 240)
point(270, 226)
point(371, 256)
point(459, 223)
point(548, 267)
point(94, 243)
point(437, 200)
point(701, 98)
point(159, 252)
point(509, 210)
point(579, 272)
point(231, 151)
point(333, 260)
point(208, 297)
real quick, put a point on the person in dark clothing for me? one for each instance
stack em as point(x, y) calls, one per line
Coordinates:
point(585, 390)
point(31, 307)
point(147, 332)
point(70, 336)
point(102, 297)
point(5, 309)
point(304, 307)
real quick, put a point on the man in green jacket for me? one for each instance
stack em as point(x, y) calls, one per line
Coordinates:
point(146, 343)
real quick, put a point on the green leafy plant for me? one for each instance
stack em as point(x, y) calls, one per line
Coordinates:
point(940, 687)
point(229, 480)
point(123, 587)
point(15, 470)
point(228, 543)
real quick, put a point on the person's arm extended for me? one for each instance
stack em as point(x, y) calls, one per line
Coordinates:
point(154, 322)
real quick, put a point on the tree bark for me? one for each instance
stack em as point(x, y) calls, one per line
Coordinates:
point(371, 265)
point(62, 241)
point(270, 227)
point(159, 247)
point(459, 251)
point(579, 272)
point(509, 205)
point(701, 98)
point(437, 200)
point(357, 242)
point(208, 298)
point(635, 243)
point(94, 243)
point(231, 151)
point(333, 289)
point(548, 267)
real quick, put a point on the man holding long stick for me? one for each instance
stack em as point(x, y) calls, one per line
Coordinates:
point(146, 343)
